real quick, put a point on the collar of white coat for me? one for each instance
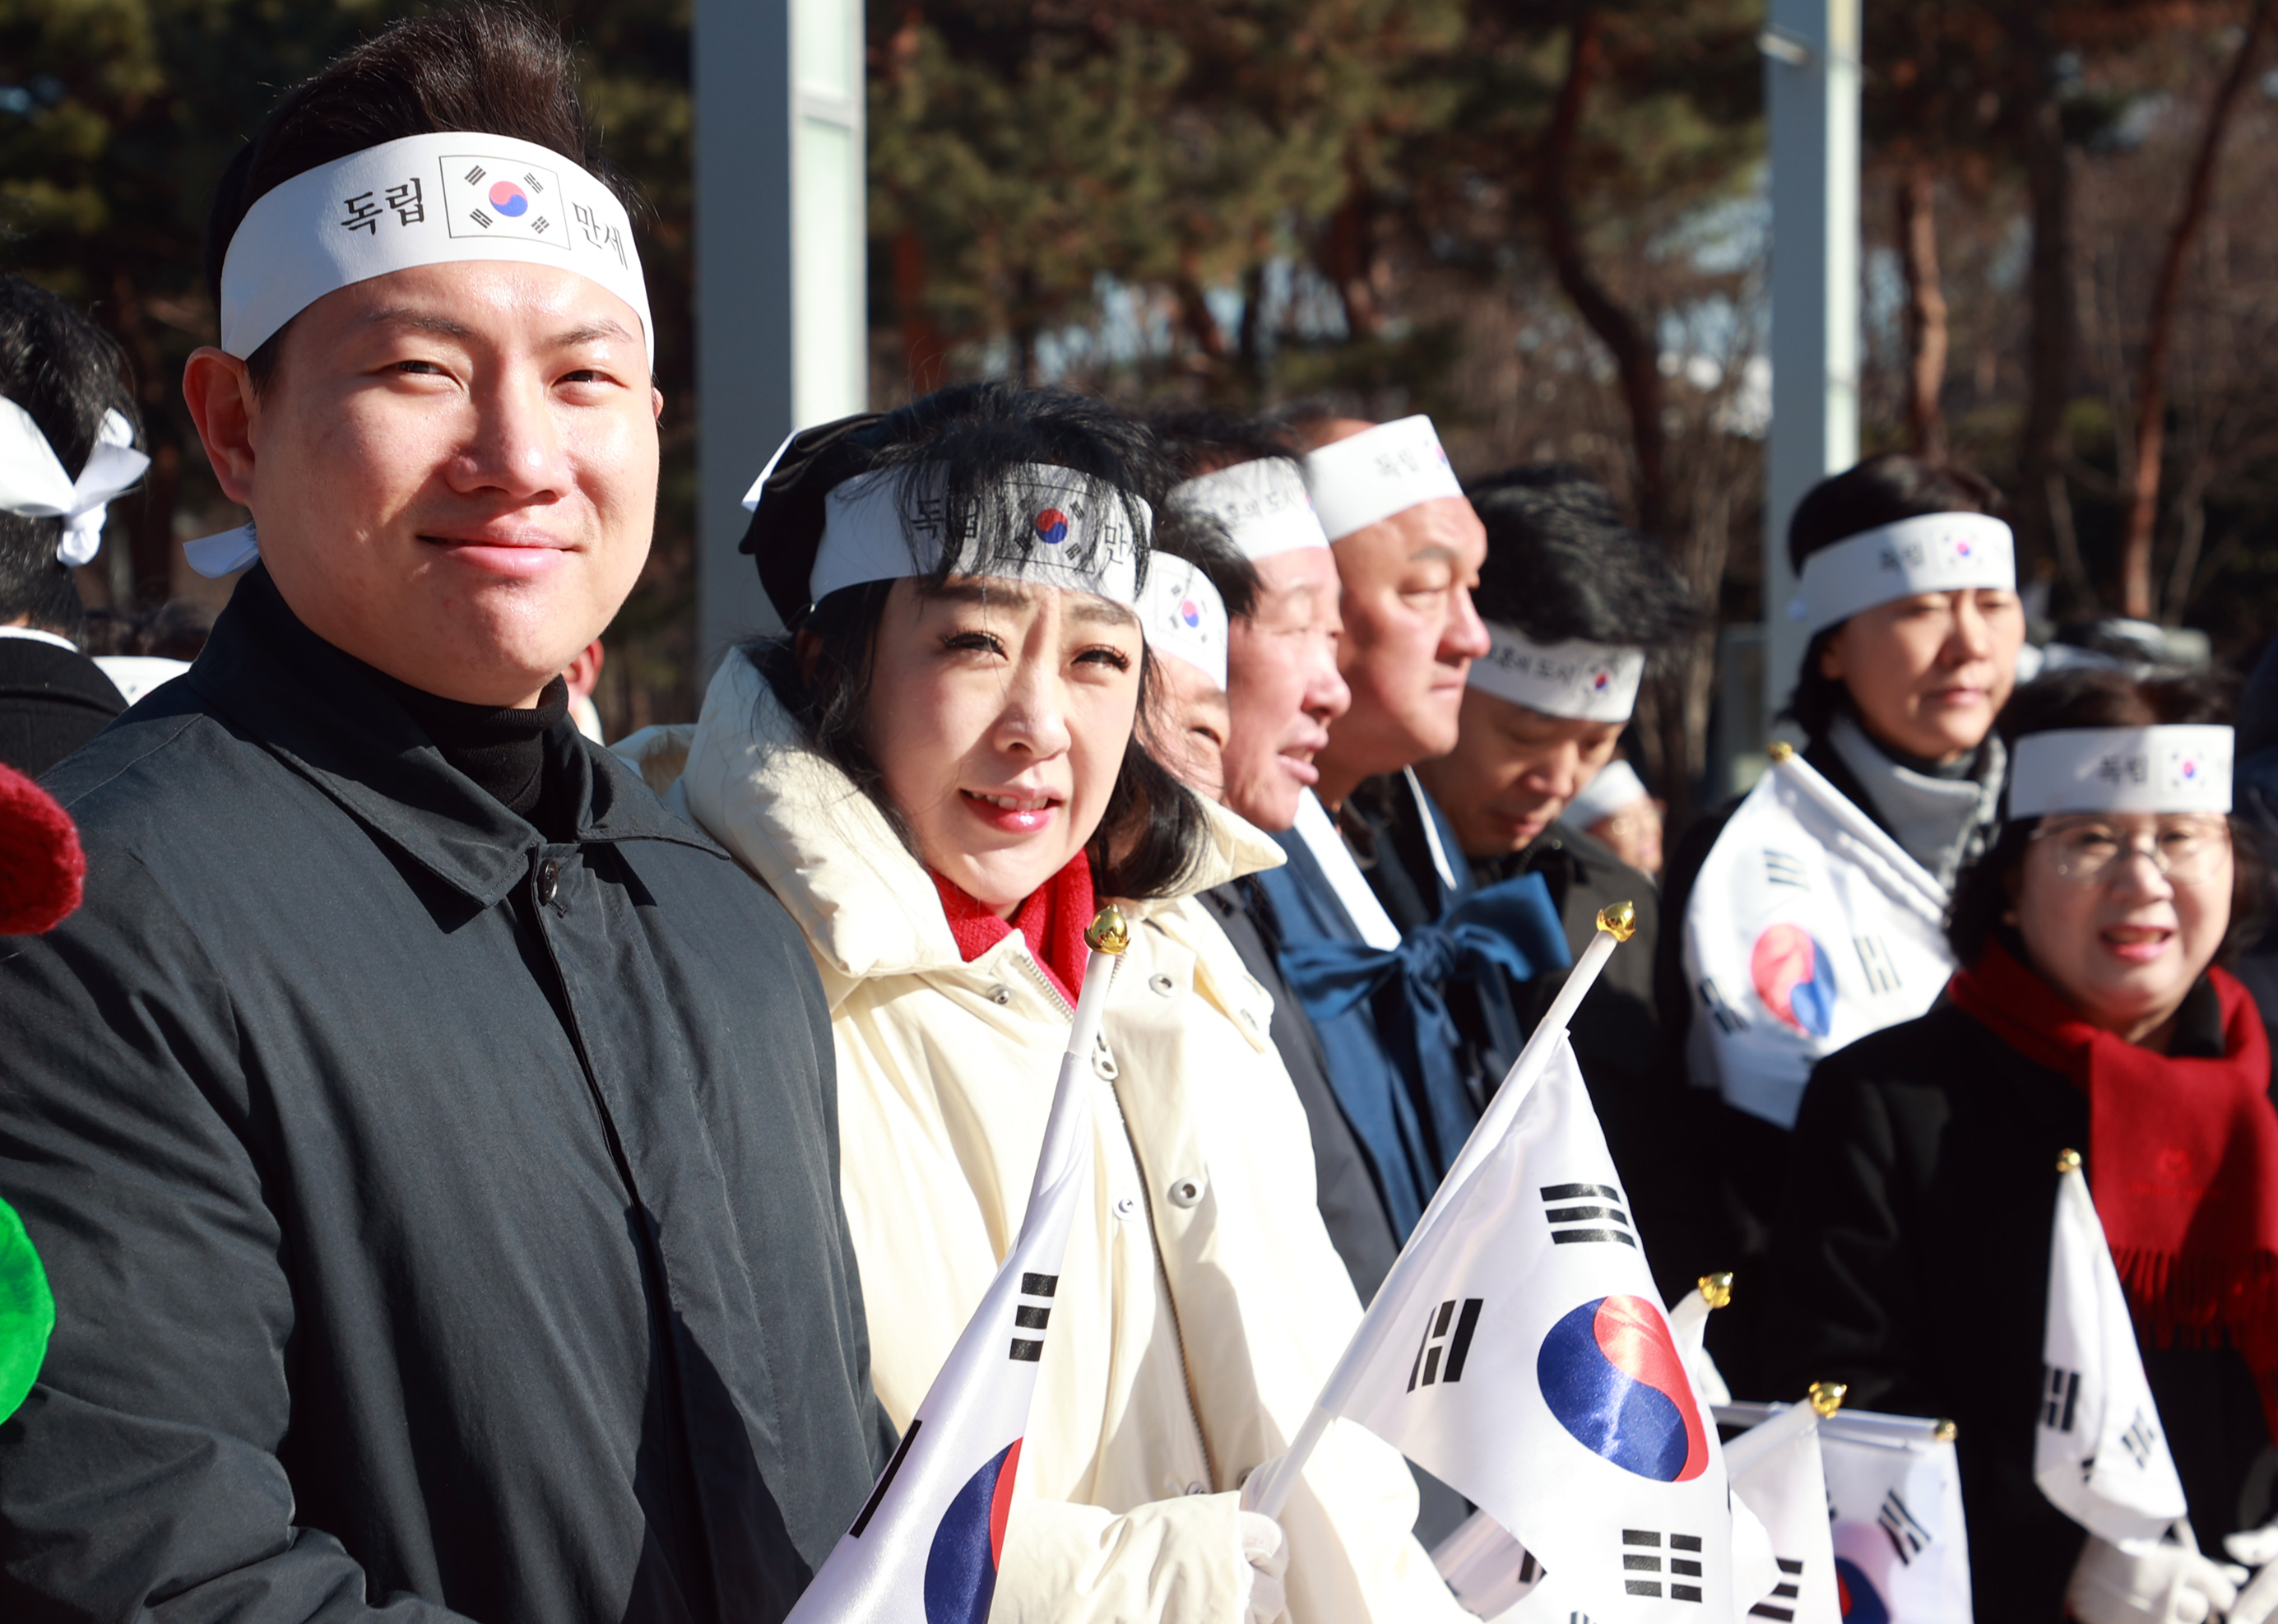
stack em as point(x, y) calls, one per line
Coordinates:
point(866, 905)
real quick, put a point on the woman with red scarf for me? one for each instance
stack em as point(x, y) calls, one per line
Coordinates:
point(2090, 1014)
point(938, 772)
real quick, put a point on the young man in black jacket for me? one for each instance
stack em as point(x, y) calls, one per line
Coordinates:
point(432, 1141)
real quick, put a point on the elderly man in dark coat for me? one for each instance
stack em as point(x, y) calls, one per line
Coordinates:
point(432, 1141)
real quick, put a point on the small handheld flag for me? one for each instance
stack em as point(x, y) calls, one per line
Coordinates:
point(1895, 1498)
point(927, 1546)
point(1777, 1474)
point(2098, 1450)
point(1519, 1352)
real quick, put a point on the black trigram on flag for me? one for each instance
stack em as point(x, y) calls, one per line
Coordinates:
point(1781, 1603)
point(1782, 869)
point(1584, 1212)
point(2138, 1440)
point(1644, 1567)
point(1875, 963)
point(1440, 1357)
point(1034, 1316)
point(1727, 1018)
point(2059, 1397)
point(1907, 1536)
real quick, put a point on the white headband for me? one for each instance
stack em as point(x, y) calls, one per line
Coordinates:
point(1615, 786)
point(1579, 679)
point(2169, 769)
point(424, 200)
point(1262, 505)
point(32, 481)
point(1183, 615)
point(875, 530)
point(1369, 477)
point(1936, 552)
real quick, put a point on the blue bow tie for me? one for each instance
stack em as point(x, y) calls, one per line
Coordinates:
point(1511, 926)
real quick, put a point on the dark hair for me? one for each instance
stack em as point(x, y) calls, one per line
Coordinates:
point(1882, 490)
point(1561, 563)
point(2085, 696)
point(1201, 442)
point(963, 443)
point(493, 69)
point(65, 372)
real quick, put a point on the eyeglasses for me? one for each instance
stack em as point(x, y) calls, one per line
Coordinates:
point(2090, 854)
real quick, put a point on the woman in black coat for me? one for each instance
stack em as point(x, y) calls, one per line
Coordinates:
point(1912, 1257)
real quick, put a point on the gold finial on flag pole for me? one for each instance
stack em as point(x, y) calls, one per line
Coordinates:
point(2069, 1162)
point(1618, 921)
point(1779, 750)
point(1107, 933)
point(1827, 1397)
point(1716, 1289)
point(1946, 1432)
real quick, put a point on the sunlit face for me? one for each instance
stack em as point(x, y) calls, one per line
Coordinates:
point(453, 470)
point(1513, 770)
point(2125, 948)
point(1186, 725)
point(1410, 635)
point(999, 714)
point(1285, 689)
point(1928, 673)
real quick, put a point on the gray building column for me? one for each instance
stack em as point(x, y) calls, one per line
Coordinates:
point(1811, 84)
point(782, 293)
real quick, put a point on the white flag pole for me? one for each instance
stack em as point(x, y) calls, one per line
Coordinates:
point(1107, 937)
point(1270, 1487)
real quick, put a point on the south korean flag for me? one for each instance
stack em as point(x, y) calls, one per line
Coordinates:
point(927, 1544)
point(1807, 929)
point(2098, 1450)
point(1521, 1355)
point(485, 196)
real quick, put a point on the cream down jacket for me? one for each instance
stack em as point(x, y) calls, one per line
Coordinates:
point(1201, 1304)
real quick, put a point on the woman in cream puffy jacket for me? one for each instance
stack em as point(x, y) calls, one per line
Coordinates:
point(989, 691)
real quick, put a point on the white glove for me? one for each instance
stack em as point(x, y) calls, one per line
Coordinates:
point(2257, 1548)
point(1268, 1555)
point(2153, 1584)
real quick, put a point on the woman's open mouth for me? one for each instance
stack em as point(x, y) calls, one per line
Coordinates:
point(2136, 944)
point(1011, 814)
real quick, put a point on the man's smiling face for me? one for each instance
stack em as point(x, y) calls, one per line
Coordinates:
point(453, 469)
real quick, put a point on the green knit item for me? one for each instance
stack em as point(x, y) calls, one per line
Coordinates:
point(28, 1311)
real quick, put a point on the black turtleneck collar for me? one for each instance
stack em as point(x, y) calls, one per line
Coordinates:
point(502, 750)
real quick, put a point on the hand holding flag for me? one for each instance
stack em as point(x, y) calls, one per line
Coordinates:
point(2098, 1450)
point(925, 1549)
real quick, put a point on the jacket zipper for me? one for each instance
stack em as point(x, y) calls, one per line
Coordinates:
point(1155, 1246)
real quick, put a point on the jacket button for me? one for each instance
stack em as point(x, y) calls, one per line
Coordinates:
point(549, 880)
point(1163, 984)
point(1126, 1207)
point(1000, 996)
point(1197, 1489)
point(1186, 1191)
point(1103, 1062)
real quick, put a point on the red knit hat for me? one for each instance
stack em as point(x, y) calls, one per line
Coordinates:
point(42, 867)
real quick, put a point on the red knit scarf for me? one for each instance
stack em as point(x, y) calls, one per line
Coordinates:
point(2182, 1154)
point(1053, 920)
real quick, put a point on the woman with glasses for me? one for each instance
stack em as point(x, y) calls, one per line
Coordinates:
point(2090, 1014)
